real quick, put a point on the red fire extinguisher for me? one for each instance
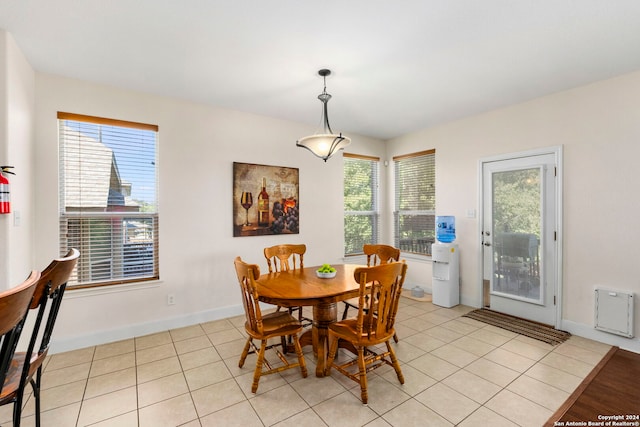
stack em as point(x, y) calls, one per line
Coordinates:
point(5, 202)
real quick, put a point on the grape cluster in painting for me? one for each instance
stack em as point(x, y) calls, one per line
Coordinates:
point(285, 216)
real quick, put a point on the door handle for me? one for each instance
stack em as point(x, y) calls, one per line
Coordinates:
point(487, 244)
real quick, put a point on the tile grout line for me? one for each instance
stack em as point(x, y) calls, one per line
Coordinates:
point(233, 326)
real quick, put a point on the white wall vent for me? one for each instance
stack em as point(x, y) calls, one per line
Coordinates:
point(614, 312)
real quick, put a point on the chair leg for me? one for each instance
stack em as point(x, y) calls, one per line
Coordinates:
point(333, 348)
point(245, 352)
point(346, 310)
point(17, 410)
point(395, 363)
point(301, 361)
point(362, 375)
point(35, 385)
point(395, 338)
point(258, 371)
point(289, 340)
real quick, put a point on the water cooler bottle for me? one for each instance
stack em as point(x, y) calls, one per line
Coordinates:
point(446, 264)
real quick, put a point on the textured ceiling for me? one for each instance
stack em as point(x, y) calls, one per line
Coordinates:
point(398, 66)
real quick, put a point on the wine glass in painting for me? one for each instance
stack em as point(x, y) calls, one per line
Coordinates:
point(246, 200)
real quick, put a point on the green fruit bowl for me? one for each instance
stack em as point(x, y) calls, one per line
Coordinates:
point(326, 275)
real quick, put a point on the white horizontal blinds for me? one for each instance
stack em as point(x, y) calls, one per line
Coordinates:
point(108, 198)
point(415, 202)
point(361, 208)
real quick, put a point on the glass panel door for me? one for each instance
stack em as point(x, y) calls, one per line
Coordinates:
point(519, 220)
point(516, 239)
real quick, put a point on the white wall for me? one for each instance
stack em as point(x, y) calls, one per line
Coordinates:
point(197, 147)
point(599, 127)
point(4, 153)
point(17, 84)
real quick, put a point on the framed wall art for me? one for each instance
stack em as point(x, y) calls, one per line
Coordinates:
point(265, 200)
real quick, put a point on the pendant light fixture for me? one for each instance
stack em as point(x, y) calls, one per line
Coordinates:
point(324, 144)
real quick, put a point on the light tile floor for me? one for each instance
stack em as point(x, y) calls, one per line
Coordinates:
point(457, 372)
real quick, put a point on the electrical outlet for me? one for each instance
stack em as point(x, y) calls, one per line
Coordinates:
point(171, 299)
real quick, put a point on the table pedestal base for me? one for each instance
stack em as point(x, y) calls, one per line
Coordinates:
point(324, 314)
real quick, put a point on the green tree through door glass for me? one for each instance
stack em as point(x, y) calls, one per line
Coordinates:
point(516, 226)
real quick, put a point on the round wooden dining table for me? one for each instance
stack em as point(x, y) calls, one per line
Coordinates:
point(302, 287)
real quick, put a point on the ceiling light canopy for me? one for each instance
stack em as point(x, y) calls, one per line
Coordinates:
point(326, 143)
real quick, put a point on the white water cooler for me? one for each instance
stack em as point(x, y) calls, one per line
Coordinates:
point(445, 290)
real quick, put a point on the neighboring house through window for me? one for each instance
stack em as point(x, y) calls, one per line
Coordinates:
point(415, 202)
point(108, 199)
point(361, 211)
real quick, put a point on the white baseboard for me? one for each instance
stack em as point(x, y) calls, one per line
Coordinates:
point(585, 331)
point(588, 331)
point(141, 329)
point(409, 286)
point(469, 302)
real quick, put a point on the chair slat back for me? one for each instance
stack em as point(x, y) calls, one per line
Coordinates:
point(14, 304)
point(247, 275)
point(382, 283)
point(380, 254)
point(285, 257)
point(51, 286)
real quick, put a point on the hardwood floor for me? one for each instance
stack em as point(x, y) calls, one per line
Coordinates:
point(611, 389)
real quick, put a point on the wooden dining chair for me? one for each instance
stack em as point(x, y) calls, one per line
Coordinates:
point(273, 325)
point(376, 255)
point(283, 258)
point(47, 296)
point(380, 254)
point(370, 328)
point(14, 304)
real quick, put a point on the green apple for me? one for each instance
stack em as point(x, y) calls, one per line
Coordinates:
point(326, 268)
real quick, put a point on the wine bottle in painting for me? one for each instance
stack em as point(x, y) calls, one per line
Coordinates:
point(263, 205)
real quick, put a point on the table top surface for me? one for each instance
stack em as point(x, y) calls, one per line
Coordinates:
point(304, 287)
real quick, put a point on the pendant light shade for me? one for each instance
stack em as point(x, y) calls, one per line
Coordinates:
point(326, 143)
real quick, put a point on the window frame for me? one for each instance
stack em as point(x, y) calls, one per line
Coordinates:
point(135, 267)
point(420, 244)
point(374, 214)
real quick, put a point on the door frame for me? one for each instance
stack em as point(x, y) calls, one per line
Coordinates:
point(557, 151)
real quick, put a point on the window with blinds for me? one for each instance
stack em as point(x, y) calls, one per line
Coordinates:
point(415, 202)
point(361, 212)
point(108, 199)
